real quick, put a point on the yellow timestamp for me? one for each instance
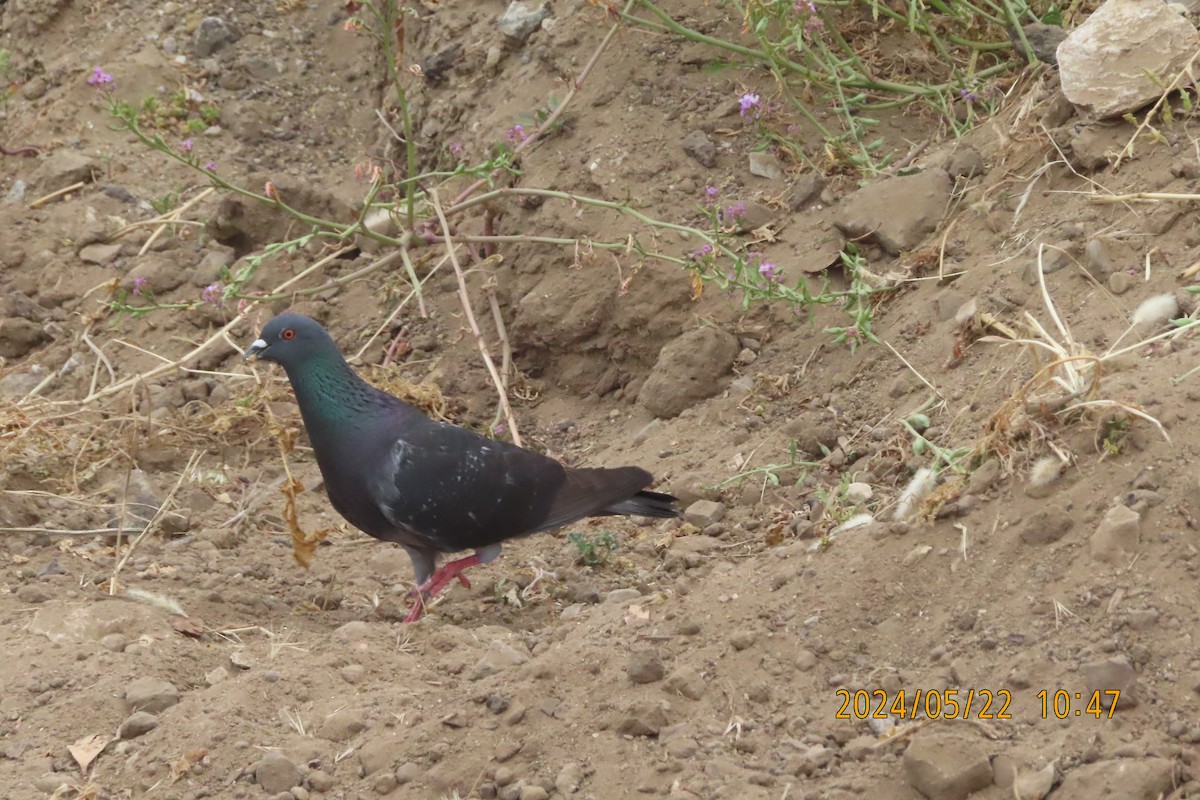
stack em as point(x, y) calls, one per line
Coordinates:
point(931, 703)
point(1063, 704)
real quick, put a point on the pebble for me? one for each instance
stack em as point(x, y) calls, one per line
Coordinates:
point(32, 593)
point(533, 793)
point(407, 772)
point(1112, 674)
point(379, 754)
point(276, 773)
point(765, 165)
point(858, 493)
point(520, 20)
point(942, 767)
point(687, 682)
point(150, 694)
point(1121, 282)
point(622, 596)
point(353, 673)
point(137, 724)
point(101, 254)
point(569, 779)
point(1117, 535)
point(742, 640)
point(498, 657)
point(644, 718)
point(645, 668)
point(216, 676)
point(697, 145)
point(703, 513)
point(342, 725)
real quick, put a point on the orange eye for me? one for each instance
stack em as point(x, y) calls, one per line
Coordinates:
point(288, 333)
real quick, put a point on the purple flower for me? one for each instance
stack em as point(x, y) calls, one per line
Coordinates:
point(100, 79)
point(516, 134)
point(801, 6)
point(711, 193)
point(735, 211)
point(139, 285)
point(751, 105)
point(769, 271)
point(186, 145)
point(456, 149)
point(211, 166)
point(968, 95)
point(701, 253)
point(213, 294)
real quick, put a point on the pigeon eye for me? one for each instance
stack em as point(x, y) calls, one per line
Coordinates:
point(288, 333)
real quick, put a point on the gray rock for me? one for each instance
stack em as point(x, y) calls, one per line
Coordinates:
point(533, 792)
point(622, 596)
point(1121, 282)
point(964, 162)
point(703, 513)
point(688, 370)
point(150, 694)
point(137, 724)
point(342, 725)
point(1101, 258)
point(810, 760)
point(1043, 41)
point(1117, 536)
point(18, 384)
point(379, 754)
point(697, 145)
point(805, 190)
point(1126, 778)
point(687, 682)
point(276, 773)
point(498, 657)
point(212, 34)
point(765, 165)
point(407, 772)
point(947, 766)
point(1114, 674)
point(520, 20)
point(569, 779)
point(1035, 785)
point(645, 668)
point(62, 168)
point(1046, 527)
point(215, 676)
point(1120, 57)
point(102, 254)
point(897, 213)
point(159, 272)
point(644, 718)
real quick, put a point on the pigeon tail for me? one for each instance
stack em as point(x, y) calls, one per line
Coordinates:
point(646, 504)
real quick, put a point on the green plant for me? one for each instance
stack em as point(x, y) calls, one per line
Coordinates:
point(593, 550)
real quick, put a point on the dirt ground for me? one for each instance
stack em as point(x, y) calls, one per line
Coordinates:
point(717, 657)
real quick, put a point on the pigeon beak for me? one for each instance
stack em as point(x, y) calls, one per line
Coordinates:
point(254, 349)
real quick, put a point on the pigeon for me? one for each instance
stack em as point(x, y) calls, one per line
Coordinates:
point(432, 487)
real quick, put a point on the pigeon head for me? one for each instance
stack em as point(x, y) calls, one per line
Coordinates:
point(291, 340)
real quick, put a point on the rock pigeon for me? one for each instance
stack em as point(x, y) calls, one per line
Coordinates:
point(432, 487)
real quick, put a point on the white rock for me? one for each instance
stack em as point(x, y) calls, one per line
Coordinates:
point(1120, 58)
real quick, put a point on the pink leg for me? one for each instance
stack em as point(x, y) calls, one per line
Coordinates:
point(442, 577)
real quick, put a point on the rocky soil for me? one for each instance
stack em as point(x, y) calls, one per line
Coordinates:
point(741, 652)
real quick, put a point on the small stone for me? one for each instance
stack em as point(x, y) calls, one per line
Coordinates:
point(379, 754)
point(150, 694)
point(643, 719)
point(1046, 527)
point(947, 767)
point(687, 682)
point(858, 493)
point(211, 35)
point(240, 659)
point(645, 668)
point(216, 676)
point(743, 640)
point(101, 254)
point(353, 673)
point(1117, 536)
point(622, 596)
point(342, 725)
point(1112, 675)
point(407, 772)
point(276, 773)
point(703, 513)
point(136, 725)
point(1034, 785)
point(32, 593)
point(569, 779)
point(520, 20)
point(765, 165)
point(533, 792)
point(697, 145)
point(498, 657)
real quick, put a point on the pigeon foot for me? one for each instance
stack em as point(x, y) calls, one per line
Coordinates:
point(440, 579)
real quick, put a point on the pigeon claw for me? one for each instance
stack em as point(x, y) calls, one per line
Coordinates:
point(440, 579)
